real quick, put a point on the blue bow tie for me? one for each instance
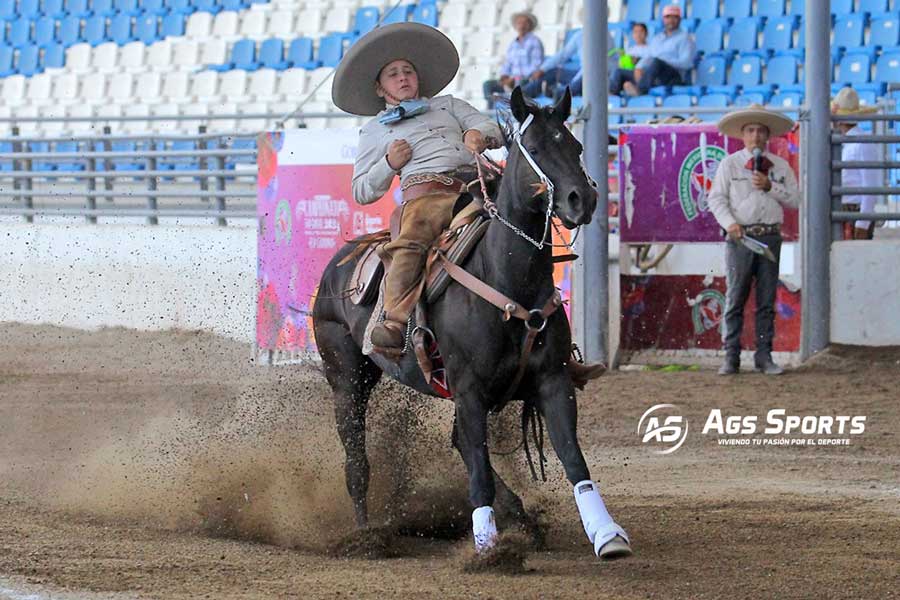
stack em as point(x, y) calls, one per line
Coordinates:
point(405, 110)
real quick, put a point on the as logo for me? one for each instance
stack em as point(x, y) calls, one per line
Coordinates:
point(695, 179)
point(666, 431)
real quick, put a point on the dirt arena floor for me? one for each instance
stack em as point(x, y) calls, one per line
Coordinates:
point(167, 465)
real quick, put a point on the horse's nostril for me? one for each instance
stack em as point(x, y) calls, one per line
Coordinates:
point(574, 200)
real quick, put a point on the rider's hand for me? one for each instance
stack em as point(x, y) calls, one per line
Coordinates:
point(761, 182)
point(399, 153)
point(475, 141)
point(735, 231)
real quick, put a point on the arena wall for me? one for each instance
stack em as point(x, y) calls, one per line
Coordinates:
point(865, 293)
point(136, 276)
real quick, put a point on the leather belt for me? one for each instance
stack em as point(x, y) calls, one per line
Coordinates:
point(428, 187)
point(763, 229)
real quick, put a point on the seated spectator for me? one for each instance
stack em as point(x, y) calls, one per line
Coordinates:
point(630, 56)
point(523, 57)
point(670, 59)
point(555, 75)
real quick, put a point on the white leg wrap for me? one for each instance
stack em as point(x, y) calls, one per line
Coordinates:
point(598, 525)
point(484, 527)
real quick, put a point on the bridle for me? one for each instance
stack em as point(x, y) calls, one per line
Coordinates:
point(547, 188)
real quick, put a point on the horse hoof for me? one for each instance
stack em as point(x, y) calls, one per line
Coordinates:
point(614, 549)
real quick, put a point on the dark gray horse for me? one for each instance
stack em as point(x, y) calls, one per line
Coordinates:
point(481, 351)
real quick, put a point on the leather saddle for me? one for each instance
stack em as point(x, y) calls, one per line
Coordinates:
point(457, 242)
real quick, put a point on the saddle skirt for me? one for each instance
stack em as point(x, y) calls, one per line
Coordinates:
point(457, 242)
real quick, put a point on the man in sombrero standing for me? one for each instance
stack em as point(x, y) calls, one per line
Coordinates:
point(394, 73)
point(748, 192)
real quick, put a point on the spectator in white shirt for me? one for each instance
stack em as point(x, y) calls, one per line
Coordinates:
point(847, 103)
point(747, 195)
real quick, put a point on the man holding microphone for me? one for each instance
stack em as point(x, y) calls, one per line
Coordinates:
point(747, 195)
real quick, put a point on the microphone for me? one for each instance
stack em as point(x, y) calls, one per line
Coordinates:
point(757, 160)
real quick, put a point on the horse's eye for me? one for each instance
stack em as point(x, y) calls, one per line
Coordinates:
point(557, 136)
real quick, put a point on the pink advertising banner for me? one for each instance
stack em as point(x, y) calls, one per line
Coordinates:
point(666, 173)
point(306, 213)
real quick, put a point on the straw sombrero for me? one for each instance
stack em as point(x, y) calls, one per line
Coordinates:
point(532, 20)
point(847, 103)
point(732, 123)
point(432, 54)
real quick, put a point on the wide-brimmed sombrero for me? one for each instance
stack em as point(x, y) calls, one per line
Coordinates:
point(732, 123)
point(431, 52)
point(532, 20)
point(846, 102)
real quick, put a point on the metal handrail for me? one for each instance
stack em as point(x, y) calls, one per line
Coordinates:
point(133, 154)
point(846, 215)
point(157, 193)
point(118, 174)
point(74, 211)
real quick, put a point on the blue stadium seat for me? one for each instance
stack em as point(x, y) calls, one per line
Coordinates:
point(69, 31)
point(29, 61)
point(234, 5)
point(44, 31)
point(331, 50)
point(172, 25)
point(178, 163)
point(399, 14)
point(300, 54)
point(243, 56)
point(425, 13)
point(146, 28)
point(750, 98)
point(868, 98)
point(710, 100)
point(54, 57)
point(28, 8)
point(120, 29)
point(103, 7)
point(209, 6)
point(128, 7)
point(710, 36)
point(746, 71)
point(6, 148)
point(40, 164)
point(887, 69)
point(849, 30)
point(641, 102)
point(787, 99)
point(157, 7)
point(240, 144)
point(841, 7)
point(66, 164)
point(743, 35)
point(711, 71)
point(678, 101)
point(778, 34)
point(854, 68)
point(705, 9)
point(736, 9)
point(124, 164)
point(689, 24)
point(77, 8)
point(8, 11)
point(95, 30)
point(183, 7)
point(20, 32)
point(885, 32)
point(769, 8)
point(873, 7)
point(639, 10)
point(6, 60)
point(366, 19)
point(53, 8)
point(271, 54)
point(782, 70)
point(611, 103)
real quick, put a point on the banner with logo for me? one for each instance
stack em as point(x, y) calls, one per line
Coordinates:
point(679, 312)
point(666, 173)
point(306, 213)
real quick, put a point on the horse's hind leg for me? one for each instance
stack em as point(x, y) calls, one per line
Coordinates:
point(556, 401)
point(352, 375)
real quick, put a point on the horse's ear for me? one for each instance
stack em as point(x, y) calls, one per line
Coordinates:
point(518, 105)
point(564, 106)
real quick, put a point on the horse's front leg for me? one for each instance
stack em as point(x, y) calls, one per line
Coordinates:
point(556, 401)
point(470, 438)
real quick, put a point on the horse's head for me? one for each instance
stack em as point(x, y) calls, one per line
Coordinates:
point(556, 152)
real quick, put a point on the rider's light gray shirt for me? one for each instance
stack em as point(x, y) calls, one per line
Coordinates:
point(436, 139)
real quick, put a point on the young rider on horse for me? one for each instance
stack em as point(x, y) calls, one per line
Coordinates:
point(394, 72)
